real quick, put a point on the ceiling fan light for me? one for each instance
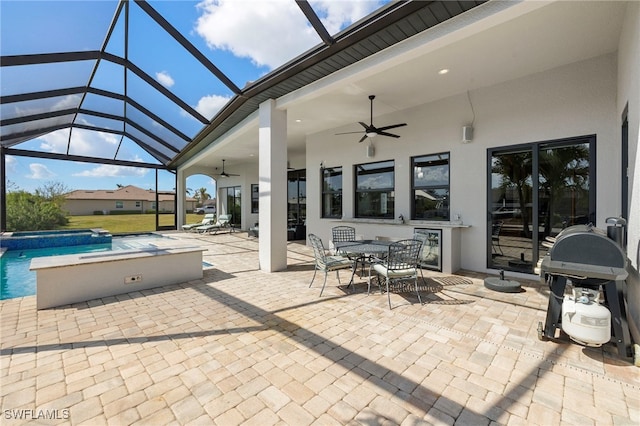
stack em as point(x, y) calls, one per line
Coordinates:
point(371, 134)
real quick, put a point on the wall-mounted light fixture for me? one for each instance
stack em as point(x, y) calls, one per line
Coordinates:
point(371, 150)
point(467, 134)
point(467, 130)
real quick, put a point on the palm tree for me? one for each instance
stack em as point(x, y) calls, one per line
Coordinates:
point(201, 195)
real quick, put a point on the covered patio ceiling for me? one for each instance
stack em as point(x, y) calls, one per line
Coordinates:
point(97, 81)
point(493, 43)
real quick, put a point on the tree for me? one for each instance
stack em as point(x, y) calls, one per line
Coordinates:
point(39, 211)
point(201, 195)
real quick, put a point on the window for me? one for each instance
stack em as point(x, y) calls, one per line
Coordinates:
point(119, 205)
point(255, 196)
point(297, 197)
point(431, 187)
point(233, 197)
point(332, 192)
point(137, 203)
point(375, 190)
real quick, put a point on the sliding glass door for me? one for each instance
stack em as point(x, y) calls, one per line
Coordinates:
point(233, 204)
point(535, 191)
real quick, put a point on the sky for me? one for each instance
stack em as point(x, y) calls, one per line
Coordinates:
point(245, 39)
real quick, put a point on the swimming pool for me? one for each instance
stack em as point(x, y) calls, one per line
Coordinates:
point(16, 280)
point(46, 239)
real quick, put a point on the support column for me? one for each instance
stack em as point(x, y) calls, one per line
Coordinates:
point(181, 185)
point(272, 171)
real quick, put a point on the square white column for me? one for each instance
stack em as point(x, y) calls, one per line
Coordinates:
point(181, 192)
point(272, 181)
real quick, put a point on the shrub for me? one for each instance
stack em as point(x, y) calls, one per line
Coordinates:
point(29, 212)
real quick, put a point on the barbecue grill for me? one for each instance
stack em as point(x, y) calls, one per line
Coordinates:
point(591, 261)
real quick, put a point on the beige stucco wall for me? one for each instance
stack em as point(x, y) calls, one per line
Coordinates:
point(87, 207)
point(629, 95)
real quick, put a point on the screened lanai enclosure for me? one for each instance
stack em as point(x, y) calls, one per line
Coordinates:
point(141, 83)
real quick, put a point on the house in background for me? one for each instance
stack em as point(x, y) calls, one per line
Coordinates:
point(129, 199)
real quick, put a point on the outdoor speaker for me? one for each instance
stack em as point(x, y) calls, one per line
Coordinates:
point(371, 151)
point(467, 134)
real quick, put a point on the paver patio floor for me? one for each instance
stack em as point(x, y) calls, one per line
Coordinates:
point(242, 346)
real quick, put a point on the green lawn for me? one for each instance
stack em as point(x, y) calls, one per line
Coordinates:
point(118, 224)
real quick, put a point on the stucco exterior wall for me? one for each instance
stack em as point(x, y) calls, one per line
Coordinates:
point(629, 97)
point(87, 207)
point(574, 100)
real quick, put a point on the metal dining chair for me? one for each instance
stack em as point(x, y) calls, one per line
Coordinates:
point(342, 233)
point(424, 238)
point(326, 263)
point(401, 264)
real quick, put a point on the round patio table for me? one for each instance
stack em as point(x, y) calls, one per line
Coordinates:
point(361, 249)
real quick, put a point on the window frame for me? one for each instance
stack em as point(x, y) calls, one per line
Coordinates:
point(379, 190)
point(324, 192)
point(535, 148)
point(119, 204)
point(415, 187)
point(255, 198)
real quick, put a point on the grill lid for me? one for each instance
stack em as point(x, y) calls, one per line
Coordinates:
point(584, 244)
point(585, 254)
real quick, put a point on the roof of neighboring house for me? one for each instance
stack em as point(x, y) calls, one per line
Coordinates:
point(128, 192)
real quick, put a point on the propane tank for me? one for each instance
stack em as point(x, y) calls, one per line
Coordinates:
point(584, 319)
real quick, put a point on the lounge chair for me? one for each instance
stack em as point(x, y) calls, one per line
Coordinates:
point(222, 223)
point(208, 219)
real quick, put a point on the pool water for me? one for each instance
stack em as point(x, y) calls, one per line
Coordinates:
point(16, 280)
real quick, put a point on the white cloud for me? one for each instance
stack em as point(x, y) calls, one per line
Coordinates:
point(165, 79)
point(10, 163)
point(83, 142)
point(110, 170)
point(69, 101)
point(39, 171)
point(269, 33)
point(208, 106)
point(336, 15)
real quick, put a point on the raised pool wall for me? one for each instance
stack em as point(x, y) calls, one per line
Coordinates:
point(45, 239)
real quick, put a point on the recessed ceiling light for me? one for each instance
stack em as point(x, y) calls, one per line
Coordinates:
point(443, 71)
point(298, 121)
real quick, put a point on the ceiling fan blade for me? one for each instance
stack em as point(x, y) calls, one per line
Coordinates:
point(393, 126)
point(366, 126)
point(391, 135)
point(349, 133)
point(363, 138)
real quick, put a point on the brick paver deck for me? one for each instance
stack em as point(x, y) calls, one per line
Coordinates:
point(242, 346)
